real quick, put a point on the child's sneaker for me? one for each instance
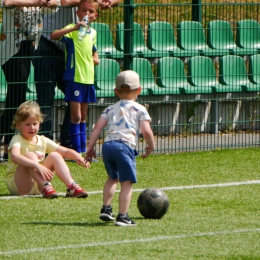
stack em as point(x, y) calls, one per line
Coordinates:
point(106, 214)
point(48, 192)
point(124, 221)
point(75, 191)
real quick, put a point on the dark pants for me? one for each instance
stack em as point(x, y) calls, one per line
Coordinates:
point(49, 67)
point(16, 71)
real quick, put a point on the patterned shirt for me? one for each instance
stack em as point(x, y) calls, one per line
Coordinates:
point(19, 24)
point(124, 120)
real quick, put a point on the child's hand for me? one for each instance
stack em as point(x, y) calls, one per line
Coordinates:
point(148, 151)
point(45, 3)
point(45, 172)
point(83, 163)
point(90, 153)
point(80, 23)
point(104, 4)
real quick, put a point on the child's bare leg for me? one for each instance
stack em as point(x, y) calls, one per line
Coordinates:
point(55, 162)
point(109, 191)
point(24, 177)
point(125, 196)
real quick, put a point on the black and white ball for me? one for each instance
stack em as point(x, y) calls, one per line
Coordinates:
point(153, 203)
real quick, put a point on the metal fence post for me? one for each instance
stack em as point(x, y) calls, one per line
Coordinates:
point(128, 33)
point(196, 11)
point(214, 115)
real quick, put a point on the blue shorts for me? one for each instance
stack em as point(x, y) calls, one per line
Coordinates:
point(119, 160)
point(82, 93)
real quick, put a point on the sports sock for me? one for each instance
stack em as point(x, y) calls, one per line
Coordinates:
point(83, 137)
point(72, 185)
point(75, 137)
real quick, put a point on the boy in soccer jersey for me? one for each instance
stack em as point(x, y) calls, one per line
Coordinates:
point(81, 56)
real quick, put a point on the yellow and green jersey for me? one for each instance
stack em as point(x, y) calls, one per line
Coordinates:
point(78, 56)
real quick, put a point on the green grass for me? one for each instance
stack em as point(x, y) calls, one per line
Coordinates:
point(202, 223)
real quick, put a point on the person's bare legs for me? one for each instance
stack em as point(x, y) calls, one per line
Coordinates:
point(109, 191)
point(55, 162)
point(108, 195)
point(24, 177)
point(125, 196)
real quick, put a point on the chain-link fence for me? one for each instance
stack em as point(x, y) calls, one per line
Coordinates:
point(198, 63)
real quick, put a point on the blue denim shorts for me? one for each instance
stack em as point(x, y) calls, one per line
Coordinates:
point(82, 93)
point(119, 160)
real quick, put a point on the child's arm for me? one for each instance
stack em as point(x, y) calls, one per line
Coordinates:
point(148, 136)
point(72, 155)
point(56, 35)
point(70, 2)
point(101, 123)
point(95, 58)
point(19, 159)
point(104, 4)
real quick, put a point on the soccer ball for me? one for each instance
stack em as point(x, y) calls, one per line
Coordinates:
point(153, 203)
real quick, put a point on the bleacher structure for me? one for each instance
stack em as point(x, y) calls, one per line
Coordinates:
point(189, 74)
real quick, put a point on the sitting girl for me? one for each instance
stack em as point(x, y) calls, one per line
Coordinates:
point(29, 172)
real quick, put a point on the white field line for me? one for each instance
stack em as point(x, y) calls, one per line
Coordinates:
point(203, 186)
point(133, 241)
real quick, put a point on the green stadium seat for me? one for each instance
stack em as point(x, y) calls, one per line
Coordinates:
point(233, 74)
point(202, 75)
point(160, 38)
point(191, 38)
point(105, 76)
point(58, 94)
point(248, 36)
point(105, 45)
point(31, 89)
point(3, 86)
point(144, 69)
point(139, 47)
point(171, 77)
point(254, 69)
point(221, 37)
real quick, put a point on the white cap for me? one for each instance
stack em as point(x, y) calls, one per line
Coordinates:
point(128, 78)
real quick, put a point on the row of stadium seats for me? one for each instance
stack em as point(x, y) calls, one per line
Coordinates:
point(172, 79)
point(217, 40)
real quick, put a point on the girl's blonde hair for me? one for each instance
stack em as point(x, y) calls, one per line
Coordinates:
point(26, 109)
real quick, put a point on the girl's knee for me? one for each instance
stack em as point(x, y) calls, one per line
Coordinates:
point(31, 155)
point(55, 155)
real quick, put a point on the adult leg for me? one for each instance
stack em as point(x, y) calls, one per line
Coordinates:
point(48, 69)
point(65, 126)
point(16, 86)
